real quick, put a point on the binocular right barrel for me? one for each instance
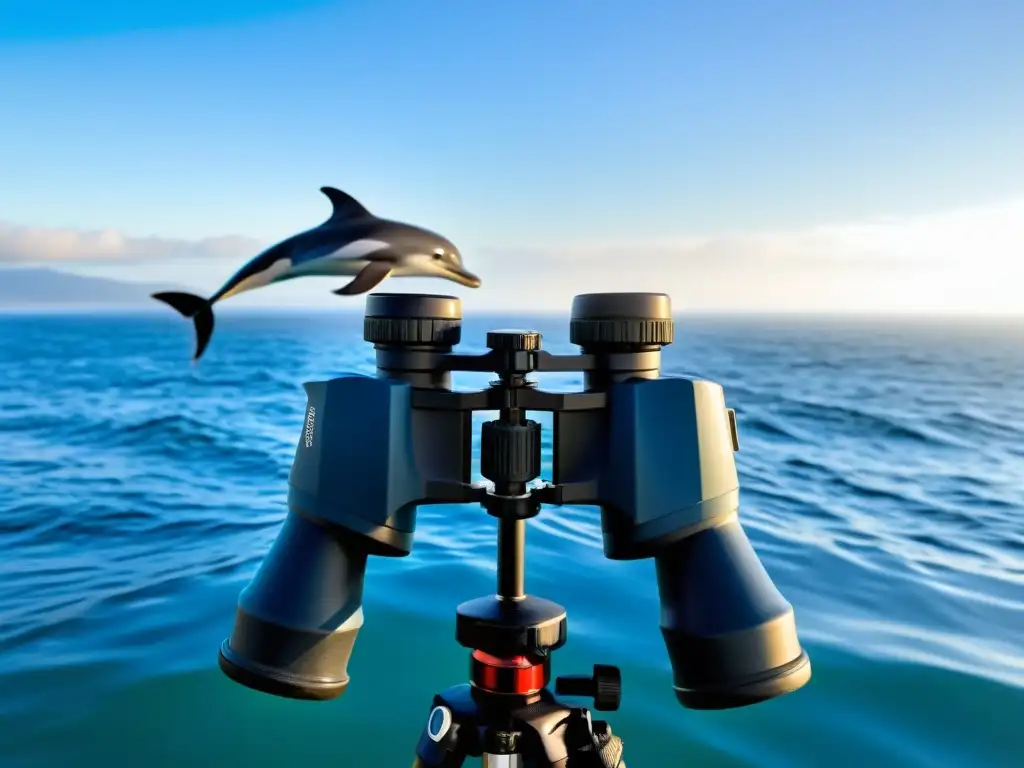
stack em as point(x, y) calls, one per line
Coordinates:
point(624, 331)
point(670, 490)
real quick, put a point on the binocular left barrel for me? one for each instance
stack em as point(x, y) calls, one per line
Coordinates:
point(298, 619)
point(660, 456)
point(352, 494)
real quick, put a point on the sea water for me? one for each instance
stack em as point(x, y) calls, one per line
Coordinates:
point(882, 484)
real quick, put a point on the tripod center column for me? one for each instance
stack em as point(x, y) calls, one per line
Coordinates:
point(510, 456)
point(512, 559)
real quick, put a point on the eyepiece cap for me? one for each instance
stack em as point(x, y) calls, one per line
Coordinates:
point(606, 319)
point(412, 319)
point(414, 306)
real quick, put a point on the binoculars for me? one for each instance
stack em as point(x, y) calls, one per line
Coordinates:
point(653, 453)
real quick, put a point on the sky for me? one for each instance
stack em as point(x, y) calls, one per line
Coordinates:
point(745, 156)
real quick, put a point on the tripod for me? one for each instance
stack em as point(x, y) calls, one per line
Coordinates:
point(506, 714)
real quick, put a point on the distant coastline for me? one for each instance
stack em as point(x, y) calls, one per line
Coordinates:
point(41, 288)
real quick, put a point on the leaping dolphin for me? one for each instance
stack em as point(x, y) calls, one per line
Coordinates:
point(352, 242)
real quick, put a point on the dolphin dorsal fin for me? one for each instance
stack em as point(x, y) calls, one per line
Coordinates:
point(345, 206)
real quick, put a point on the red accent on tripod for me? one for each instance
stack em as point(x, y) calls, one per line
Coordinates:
point(518, 675)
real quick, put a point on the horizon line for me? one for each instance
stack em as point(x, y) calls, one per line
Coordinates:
point(137, 309)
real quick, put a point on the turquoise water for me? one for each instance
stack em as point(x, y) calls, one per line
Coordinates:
point(882, 471)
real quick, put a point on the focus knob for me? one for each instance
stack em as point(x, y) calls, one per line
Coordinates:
point(604, 687)
point(510, 453)
point(513, 340)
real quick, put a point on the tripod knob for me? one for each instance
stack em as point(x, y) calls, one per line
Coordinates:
point(604, 687)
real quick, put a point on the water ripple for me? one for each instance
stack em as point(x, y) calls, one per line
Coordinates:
point(880, 466)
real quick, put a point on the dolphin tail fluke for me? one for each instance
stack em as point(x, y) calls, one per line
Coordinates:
point(196, 307)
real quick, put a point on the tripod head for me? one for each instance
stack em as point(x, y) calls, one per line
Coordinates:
point(654, 453)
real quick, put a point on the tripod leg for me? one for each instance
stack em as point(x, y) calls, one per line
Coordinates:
point(419, 763)
point(441, 742)
point(609, 746)
point(449, 760)
point(433, 756)
point(503, 761)
point(591, 743)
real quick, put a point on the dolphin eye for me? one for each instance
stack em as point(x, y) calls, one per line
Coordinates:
point(438, 254)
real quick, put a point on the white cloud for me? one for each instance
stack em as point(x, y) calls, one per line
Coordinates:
point(34, 245)
point(963, 261)
point(991, 233)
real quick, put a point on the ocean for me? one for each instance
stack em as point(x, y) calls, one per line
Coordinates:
point(882, 484)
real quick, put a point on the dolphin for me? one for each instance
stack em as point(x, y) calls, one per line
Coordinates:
point(352, 242)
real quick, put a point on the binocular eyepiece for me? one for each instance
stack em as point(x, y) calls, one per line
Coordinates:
point(654, 453)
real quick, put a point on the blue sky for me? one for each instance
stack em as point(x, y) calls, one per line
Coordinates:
point(862, 156)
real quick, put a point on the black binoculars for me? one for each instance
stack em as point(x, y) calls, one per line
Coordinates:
point(653, 453)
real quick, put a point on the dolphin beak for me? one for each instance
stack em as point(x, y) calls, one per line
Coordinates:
point(462, 277)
